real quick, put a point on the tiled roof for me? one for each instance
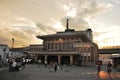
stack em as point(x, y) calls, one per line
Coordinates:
point(66, 34)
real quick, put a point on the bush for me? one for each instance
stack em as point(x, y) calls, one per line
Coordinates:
point(118, 67)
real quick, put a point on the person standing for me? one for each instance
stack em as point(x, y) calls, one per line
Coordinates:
point(23, 62)
point(109, 67)
point(55, 66)
point(51, 66)
point(99, 66)
point(14, 65)
point(10, 65)
point(45, 63)
point(39, 62)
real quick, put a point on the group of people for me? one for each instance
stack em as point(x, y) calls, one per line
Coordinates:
point(15, 64)
point(53, 66)
point(109, 66)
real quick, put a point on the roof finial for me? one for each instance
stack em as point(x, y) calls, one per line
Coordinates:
point(67, 26)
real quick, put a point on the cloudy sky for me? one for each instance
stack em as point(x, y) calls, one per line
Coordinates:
point(24, 19)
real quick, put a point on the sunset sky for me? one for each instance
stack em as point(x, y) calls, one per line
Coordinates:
point(23, 20)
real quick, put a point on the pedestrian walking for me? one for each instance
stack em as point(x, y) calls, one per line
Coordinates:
point(55, 66)
point(23, 62)
point(51, 66)
point(14, 65)
point(45, 64)
point(39, 62)
point(99, 66)
point(109, 67)
point(10, 65)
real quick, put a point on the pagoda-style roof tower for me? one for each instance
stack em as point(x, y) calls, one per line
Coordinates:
point(86, 36)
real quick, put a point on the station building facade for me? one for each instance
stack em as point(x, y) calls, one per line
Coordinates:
point(68, 47)
point(73, 47)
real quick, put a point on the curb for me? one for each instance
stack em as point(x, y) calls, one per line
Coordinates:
point(3, 68)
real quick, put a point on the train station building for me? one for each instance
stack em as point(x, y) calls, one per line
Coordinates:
point(69, 47)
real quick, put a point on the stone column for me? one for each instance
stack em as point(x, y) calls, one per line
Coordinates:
point(90, 57)
point(59, 59)
point(71, 59)
point(35, 58)
point(93, 52)
point(46, 57)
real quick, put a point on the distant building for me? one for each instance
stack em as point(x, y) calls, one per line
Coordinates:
point(69, 47)
point(33, 50)
point(4, 51)
point(18, 52)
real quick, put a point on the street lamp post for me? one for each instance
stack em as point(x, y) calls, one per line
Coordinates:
point(12, 46)
point(4, 56)
point(13, 43)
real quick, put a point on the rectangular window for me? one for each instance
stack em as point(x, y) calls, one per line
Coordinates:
point(48, 45)
point(51, 45)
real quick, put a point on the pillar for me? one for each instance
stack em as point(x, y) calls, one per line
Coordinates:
point(35, 58)
point(59, 59)
point(71, 59)
point(94, 52)
point(46, 57)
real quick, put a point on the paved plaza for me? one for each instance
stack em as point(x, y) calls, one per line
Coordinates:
point(34, 72)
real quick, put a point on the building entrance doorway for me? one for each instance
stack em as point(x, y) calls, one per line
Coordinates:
point(52, 58)
point(65, 60)
point(76, 60)
point(42, 58)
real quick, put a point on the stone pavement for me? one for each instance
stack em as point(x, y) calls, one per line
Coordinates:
point(33, 72)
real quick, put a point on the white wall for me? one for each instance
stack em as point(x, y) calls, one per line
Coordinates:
point(4, 50)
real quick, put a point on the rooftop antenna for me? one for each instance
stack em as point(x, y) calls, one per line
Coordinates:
point(67, 24)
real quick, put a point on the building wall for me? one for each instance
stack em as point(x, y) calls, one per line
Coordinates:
point(4, 51)
point(76, 47)
point(62, 43)
point(88, 52)
point(35, 48)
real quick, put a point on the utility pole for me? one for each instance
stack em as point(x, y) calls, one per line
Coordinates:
point(12, 43)
point(4, 57)
point(12, 46)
